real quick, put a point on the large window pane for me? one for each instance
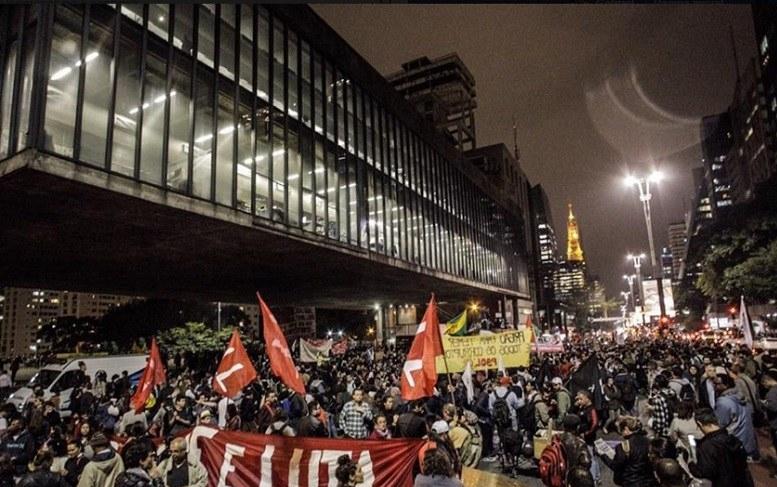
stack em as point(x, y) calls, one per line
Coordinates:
point(153, 109)
point(308, 175)
point(8, 81)
point(263, 55)
point(62, 93)
point(294, 178)
point(318, 82)
point(292, 61)
point(245, 151)
point(97, 85)
point(206, 41)
point(262, 160)
point(246, 47)
point(158, 19)
point(127, 99)
point(203, 134)
point(26, 88)
point(178, 145)
point(331, 102)
point(305, 73)
point(183, 35)
point(321, 188)
point(278, 64)
point(332, 190)
point(278, 169)
point(227, 48)
point(225, 150)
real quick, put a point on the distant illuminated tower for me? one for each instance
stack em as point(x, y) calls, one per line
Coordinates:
point(574, 249)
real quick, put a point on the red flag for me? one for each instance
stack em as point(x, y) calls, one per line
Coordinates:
point(419, 374)
point(277, 350)
point(153, 375)
point(340, 347)
point(235, 370)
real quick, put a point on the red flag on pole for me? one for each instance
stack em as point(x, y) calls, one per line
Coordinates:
point(419, 374)
point(153, 375)
point(277, 350)
point(235, 370)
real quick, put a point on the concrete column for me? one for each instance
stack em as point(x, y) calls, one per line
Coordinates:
point(380, 314)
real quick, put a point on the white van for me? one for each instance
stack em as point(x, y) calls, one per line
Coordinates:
point(62, 377)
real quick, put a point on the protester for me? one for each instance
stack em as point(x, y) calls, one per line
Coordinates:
point(178, 471)
point(631, 465)
point(438, 471)
point(348, 472)
point(354, 416)
point(40, 474)
point(735, 415)
point(720, 456)
point(138, 462)
point(104, 467)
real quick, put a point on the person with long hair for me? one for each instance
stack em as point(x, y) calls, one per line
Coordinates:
point(348, 473)
point(438, 471)
point(631, 464)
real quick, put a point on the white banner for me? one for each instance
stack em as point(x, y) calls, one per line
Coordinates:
point(314, 350)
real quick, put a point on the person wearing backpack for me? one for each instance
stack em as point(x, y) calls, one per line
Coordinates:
point(563, 399)
point(631, 463)
point(681, 386)
point(627, 384)
point(504, 405)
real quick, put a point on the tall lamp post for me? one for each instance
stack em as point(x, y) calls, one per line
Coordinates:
point(643, 185)
point(636, 259)
point(630, 279)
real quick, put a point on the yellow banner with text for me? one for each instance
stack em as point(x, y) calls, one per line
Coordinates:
point(512, 349)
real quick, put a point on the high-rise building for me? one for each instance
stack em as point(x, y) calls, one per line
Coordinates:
point(443, 91)
point(765, 23)
point(751, 158)
point(716, 141)
point(667, 263)
point(570, 278)
point(546, 256)
point(25, 310)
point(677, 239)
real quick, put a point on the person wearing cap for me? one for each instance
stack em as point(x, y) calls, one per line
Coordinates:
point(206, 418)
point(439, 440)
point(563, 399)
point(104, 467)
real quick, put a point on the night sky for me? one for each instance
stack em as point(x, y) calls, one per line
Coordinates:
point(596, 91)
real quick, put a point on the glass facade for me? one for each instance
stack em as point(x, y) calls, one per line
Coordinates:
point(230, 104)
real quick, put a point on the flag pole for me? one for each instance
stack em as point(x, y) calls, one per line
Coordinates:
point(444, 357)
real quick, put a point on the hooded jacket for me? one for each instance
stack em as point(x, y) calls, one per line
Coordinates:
point(102, 470)
point(631, 464)
point(736, 416)
point(722, 460)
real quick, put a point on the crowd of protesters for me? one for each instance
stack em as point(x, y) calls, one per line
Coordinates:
point(674, 412)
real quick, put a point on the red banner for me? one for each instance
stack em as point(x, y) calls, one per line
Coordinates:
point(240, 459)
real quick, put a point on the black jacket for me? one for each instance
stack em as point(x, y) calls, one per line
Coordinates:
point(632, 468)
point(21, 450)
point(721, 458)
point(74, 467)
point(131, 479)
point(42, 478)
point(311, 427)
point(411, 425)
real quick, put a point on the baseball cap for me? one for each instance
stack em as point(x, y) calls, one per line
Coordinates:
point(206, 414)
point(557, 380)
point(440, 427)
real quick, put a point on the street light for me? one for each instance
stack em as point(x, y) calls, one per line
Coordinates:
point(630, 279)
point(643, 184)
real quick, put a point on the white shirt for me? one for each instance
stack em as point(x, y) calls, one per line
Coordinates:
point(222, 411)
point(5, 381)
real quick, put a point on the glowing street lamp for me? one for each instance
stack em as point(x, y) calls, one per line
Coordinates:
point(643, 185)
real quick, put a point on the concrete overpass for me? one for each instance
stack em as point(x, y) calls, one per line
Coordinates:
point(69, 226)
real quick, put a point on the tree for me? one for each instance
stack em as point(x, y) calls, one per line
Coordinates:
point(66, 333)
point(756, 277)
point(193, 337)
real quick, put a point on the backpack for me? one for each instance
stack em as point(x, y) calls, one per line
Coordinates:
point(501, 413)
point(687, 393)
point(552, 464)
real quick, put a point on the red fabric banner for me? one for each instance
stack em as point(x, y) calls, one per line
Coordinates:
point(240, 459)
point(235, 370)
point(153, 375)
point(419, 373)
point(277, 350)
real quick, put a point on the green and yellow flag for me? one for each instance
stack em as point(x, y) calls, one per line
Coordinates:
point(458, 325)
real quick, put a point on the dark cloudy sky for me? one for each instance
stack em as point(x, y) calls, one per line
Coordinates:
point(595, 90)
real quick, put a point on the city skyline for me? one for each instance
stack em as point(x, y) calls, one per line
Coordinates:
point(560, 103)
